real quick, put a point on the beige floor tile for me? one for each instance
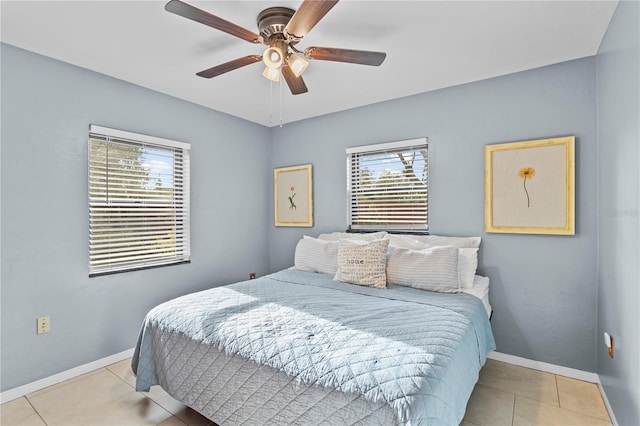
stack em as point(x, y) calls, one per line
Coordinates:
point(66, 382)
point(520, 381)
point(193, 418)
point(173, 421)
point(32, 420)
point(62, 401)
point(12, 411)
point(184, 413)
point(156, 393)
point(123, 370)
point(167, 402)
point(177, 408)
point(467, 423)
point(15, 412)
point(581, 397)
point(490, 407)
point(128, 409)
point(529, 412)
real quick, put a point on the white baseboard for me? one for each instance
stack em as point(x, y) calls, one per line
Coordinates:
point(606, 404)
point(543, 366)
point(23, 390)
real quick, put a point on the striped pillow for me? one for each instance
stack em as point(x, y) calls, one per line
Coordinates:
point(313, 255)
point(433, 269)
point(467, 256)
point(362, 262)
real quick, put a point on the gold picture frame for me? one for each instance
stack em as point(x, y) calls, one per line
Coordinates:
point(293, 196)
point(530, 187)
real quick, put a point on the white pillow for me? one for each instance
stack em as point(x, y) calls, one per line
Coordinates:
point(433, 269)
point(405, 241)
point(363, 262)
point(439, 240)
point(467, 257)
point(313, 255)
point(467, 266)
point(336, 236)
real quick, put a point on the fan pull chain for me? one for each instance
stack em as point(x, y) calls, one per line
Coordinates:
point(281, 102)
point(270, 102)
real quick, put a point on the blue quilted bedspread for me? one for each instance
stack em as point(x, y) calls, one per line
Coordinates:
point(298, 347)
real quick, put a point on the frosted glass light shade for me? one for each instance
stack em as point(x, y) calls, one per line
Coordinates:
point(297, 64)
point(273, 57)
point(272, 74)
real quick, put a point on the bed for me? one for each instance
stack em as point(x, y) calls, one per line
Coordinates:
point(298, 347)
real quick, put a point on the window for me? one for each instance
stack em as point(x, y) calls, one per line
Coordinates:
point(387, 186)
point(138, 201)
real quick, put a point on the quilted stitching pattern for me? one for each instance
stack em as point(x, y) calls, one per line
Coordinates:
point(289, 348)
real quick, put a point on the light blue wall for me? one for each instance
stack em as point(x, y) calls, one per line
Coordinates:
point(618, 65)
point(47, 107)
point(543, 288)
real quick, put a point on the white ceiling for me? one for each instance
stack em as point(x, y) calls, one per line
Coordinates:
point(429, 45)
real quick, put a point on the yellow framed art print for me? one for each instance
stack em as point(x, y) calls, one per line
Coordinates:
point(530, 187)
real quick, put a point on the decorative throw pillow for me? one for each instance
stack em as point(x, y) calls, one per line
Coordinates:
point(313, 255)
point(362, 262)
point(433, 269)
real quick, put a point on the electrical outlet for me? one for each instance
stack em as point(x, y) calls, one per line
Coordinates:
point(608, 340)
point(252, 276)
point(43, 325)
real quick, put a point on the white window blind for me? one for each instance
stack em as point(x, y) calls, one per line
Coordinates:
point(138, 201)
point(388, 185)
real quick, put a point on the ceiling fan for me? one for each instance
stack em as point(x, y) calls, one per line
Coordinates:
point(280, 29)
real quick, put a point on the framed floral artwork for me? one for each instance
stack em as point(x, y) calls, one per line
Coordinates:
point(293, 196)
point(530, 187)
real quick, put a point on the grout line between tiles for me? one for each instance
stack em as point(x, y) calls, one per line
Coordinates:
point(35, 410)
point(120, 378)
point(146, 395)
point(608, 419)
point(41, 418)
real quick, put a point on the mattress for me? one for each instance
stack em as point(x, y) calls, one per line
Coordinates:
point(480, 289)
point(299, 348)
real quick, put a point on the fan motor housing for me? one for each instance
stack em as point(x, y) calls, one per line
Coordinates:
point(272, 21)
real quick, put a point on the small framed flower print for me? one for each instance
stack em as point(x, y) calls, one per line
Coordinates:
point(530, 187)
point(293, 196)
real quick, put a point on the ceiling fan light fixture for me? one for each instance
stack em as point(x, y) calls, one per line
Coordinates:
point(272, 74)
point(280, 29)
point(297, 64)
point(272, 57)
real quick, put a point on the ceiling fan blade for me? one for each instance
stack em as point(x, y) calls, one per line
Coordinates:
point(307, 16)
point(229, 66)
point(362, 57)
point(183, 9)
point(296, 84)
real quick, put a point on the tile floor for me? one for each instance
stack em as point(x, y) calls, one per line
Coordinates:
point(505, 395)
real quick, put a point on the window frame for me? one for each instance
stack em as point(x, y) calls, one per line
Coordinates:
point(99, 205)
point(383, 148)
